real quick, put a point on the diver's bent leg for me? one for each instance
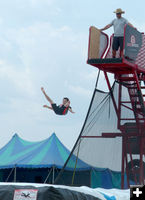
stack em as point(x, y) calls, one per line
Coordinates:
point(47, 97)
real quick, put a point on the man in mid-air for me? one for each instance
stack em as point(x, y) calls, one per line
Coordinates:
point(118, 25)
point(60, 109)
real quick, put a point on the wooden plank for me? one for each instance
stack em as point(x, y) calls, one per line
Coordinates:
point(94, 43)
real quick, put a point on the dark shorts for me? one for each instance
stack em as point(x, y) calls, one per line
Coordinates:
point(56, 109)
point(59, 110)
point(117, 42)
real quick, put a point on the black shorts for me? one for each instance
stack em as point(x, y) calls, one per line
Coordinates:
point(56, 109)
point(117, 42)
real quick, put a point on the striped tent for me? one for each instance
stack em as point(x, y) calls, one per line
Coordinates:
point(42, 154)
point(37, 161)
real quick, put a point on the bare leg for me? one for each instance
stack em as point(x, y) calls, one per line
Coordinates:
point(47, 97)
point(114, 53)
point(45, 106)
point(121, 53)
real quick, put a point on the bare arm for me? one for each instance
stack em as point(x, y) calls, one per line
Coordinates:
point(106, 27)
point(71, 110)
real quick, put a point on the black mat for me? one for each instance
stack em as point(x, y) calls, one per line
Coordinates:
point(44, 193)
point(105, 60)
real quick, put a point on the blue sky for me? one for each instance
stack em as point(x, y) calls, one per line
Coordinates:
point(44, 43)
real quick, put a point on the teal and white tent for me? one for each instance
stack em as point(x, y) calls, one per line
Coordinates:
point(44, 154)
point(21, 156)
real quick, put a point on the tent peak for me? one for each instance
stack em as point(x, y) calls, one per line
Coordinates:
point(53, 134)
point(15, 135)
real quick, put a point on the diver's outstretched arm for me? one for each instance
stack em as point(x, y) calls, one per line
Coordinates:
point(47, 97)
point(71, 110)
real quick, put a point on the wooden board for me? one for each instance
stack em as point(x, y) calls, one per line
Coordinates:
point(94, 43)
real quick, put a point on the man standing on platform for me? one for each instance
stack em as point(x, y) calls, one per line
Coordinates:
point(118, 25)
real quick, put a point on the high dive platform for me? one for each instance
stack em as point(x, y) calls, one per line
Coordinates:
point(129, 71)
point(112, 138)
point(100, 52)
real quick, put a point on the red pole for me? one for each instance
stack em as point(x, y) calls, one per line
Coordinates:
point(131, 159)
point(127, 172)
point(122, 168)
point(141, 177)
point(125, 157)
point(119, 105)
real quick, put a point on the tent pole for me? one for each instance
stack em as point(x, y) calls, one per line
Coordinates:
point(48, 175)
point(9, 175)
point(15, 174)
point(53, 174)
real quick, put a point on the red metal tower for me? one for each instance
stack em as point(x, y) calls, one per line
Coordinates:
point(128, 71)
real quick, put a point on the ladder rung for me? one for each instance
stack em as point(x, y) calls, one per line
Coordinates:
point(137, 102)
point(139, 110)
point(127, 79)
point(132, 119)
point(127, 119)
point(132, 87)
point(142, 87)
point(125, 101)
point(134, 95)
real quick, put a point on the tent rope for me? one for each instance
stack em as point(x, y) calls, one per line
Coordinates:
point(10, 174)
point(48, 175)
point(76, 163)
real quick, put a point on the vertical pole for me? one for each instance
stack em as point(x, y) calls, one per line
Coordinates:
point(141, 173)
point(122, 170)
point(53, 174)
point(119, 105)
point(127, 172)
point(73, 177)
point(126, 159)
point(131, 159)
point(90, 178)
point(137, 82)
point(48, 175)
point(9, 175)
point(15, 174)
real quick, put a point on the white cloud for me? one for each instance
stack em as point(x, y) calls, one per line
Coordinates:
point(90, 76)
point(36, 55)
point(5, 46)
point(46, 2)
point(34, 3)
point(42, 41)
point(80, 90)
point(1, 21)
point(48, 55)
point(139, 25)
point(20, 78)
